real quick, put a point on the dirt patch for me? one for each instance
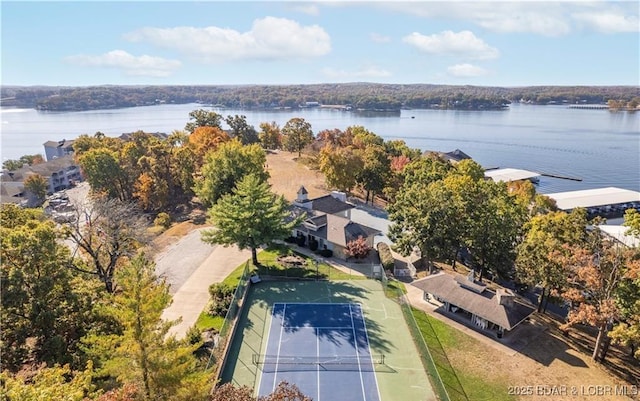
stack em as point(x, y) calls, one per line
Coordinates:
point(287, 175)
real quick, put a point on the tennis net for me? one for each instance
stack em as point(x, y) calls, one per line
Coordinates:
point(261, 359)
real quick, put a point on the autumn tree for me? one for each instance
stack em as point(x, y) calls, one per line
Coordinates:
point(593, 274)
point(270, 136)
point(546, 236)
point(627, 330)
point(105, 233)
point(203, 118)
point(283, 392)
point(143, 354)
point(249, 217)
point(242, 130)
point(340, 166)
point(296, 134)
point(204, 140)
point(29, 160)
point(45, 307)
point(36, 186)
point(226, 166)
point(50, 383)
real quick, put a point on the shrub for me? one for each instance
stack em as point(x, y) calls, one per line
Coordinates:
point(291, 239)
point(300, 240)
point(162, 220)
point(327, 253)
point(221, 297)
point(357, 248)
point(194, 335)
point(385, 256)
point(313, 245)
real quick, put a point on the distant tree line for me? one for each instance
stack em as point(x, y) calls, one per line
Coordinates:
point(366, 96)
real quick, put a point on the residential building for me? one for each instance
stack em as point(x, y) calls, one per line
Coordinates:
point(328, 222)
point(54, 150)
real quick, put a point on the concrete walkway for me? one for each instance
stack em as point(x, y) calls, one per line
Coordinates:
point(192, 297)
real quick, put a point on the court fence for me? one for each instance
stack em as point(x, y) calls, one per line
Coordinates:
point(219, 351)
point(431, 366)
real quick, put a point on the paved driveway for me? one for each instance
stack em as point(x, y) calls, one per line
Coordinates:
point(190, 267)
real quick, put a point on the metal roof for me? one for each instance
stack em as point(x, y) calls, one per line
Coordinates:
point(619, 233)
point(511, 174)
point(594, 197)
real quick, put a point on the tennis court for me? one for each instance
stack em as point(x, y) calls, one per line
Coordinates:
point(318, 342)
point(323, 349)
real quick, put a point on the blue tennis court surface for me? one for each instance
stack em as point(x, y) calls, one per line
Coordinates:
point(321, 348)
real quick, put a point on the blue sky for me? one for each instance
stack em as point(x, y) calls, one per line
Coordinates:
point(503, 43)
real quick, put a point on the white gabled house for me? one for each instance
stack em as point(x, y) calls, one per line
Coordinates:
point(329, 223)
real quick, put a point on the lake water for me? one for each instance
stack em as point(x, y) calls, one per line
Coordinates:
point(600, 147)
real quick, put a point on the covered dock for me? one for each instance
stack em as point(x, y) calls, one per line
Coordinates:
point(512, 174)
point(596, 198)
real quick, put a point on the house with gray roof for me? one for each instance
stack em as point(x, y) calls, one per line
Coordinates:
point(494, 311)
point(329, 222)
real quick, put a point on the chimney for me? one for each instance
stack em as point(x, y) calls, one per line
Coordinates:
point(505, 297)
point(341, 196)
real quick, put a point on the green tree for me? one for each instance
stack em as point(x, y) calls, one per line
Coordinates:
point(375, 170)
point(143, 354)
point(496, 222)
point(36, 187)
point(544, 236)
point(249, 217)
point(203, 118)
point(45, 308)
point(102, 170)
point(296, 134)
point(227, 166)
point(340, 167)
point(242, 130)
point(270, 136)
point(54, 383)
point(29, 160)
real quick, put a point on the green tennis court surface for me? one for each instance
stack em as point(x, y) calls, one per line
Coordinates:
point(358, 349)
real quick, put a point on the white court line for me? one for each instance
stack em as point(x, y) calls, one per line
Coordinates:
point(275, 374)
point(318, 356)
point(266, 348)
point(366, 335)
point(355, 341)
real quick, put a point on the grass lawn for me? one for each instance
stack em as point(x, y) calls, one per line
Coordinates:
point(460, 380)
point(270, 266)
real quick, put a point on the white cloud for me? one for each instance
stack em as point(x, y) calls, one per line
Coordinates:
point(270, 38)
point(466, 71)
point(609, 22)
point(370, 72)
point(378, 38)
point(463, 43)
point(131, 65)
point(545, 18)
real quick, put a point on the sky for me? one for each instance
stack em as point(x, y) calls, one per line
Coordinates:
point(502, 43)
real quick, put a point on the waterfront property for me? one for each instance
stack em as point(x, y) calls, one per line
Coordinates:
point(606, 202)
point(495, 312)
point(512, 174)
point(60, 173)
point(328, 225)
point(54, 150)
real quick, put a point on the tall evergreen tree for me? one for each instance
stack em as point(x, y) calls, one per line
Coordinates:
point(161, 367)
point(249, 217)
